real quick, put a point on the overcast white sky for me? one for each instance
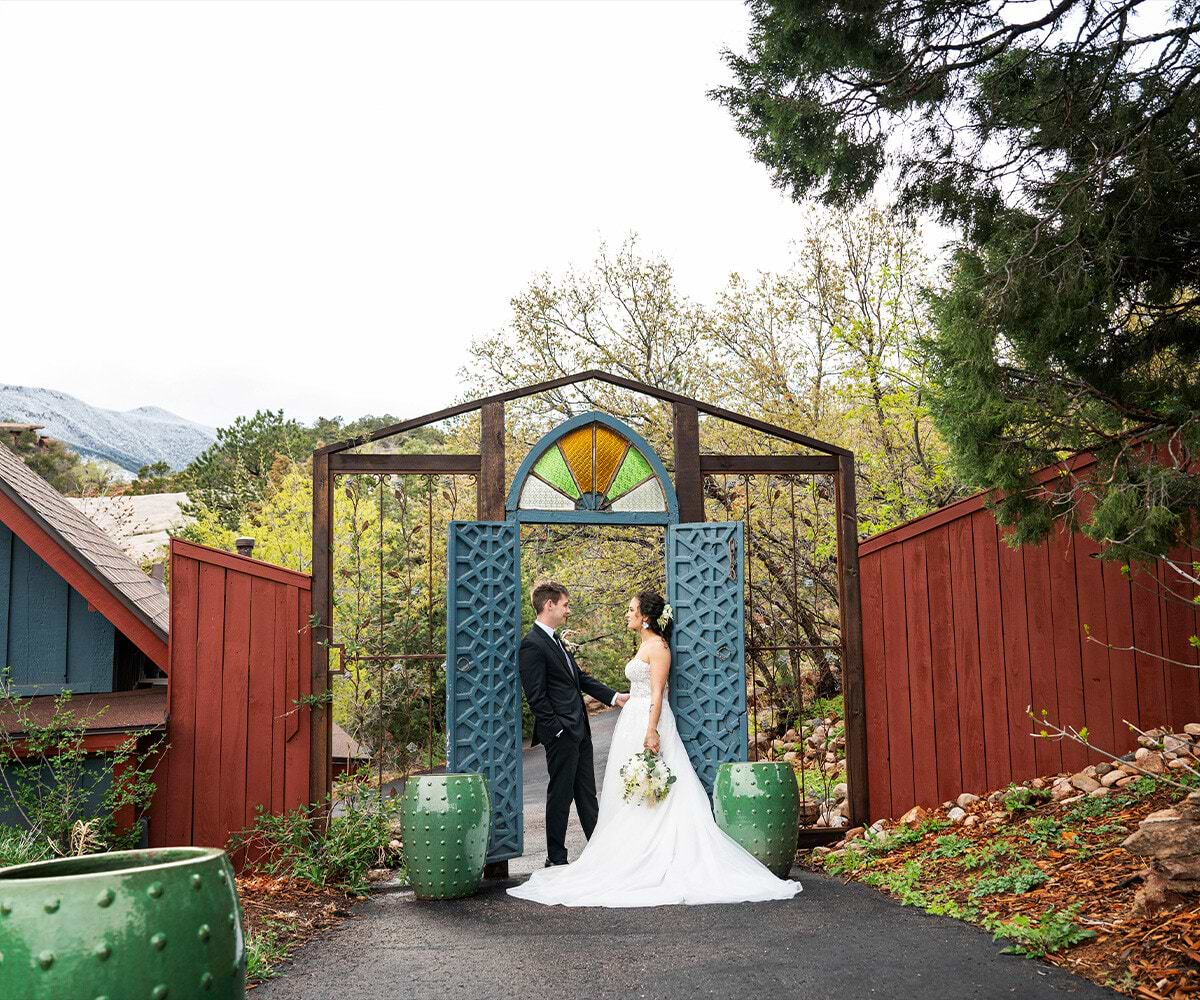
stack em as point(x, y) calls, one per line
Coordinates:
point(220, 207)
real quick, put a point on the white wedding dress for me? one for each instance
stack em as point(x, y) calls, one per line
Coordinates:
point(655, 855)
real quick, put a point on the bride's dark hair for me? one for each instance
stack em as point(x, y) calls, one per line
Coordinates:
point(651, 604)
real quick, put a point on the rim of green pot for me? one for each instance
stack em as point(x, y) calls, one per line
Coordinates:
point(111, 863)
point(731, 764)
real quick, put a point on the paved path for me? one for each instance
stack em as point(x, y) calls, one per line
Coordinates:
point(832, 940)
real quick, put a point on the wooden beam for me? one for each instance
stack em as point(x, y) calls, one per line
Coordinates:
point(850, 614)
point(689, 481)
point(320, 716)
point(591, 374)
point(387, 463)
point(752, 465)
point(490, 489)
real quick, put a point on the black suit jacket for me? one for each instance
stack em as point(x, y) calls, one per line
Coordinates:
point(554, 687)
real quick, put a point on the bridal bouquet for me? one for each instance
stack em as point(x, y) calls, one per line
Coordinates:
point(647, 778)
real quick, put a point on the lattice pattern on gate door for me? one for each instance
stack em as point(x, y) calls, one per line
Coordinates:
point(708, 674)
point(483, 706)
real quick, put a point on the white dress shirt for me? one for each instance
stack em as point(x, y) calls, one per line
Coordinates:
point(550, 632)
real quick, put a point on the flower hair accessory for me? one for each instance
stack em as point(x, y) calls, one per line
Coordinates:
point(667, 613)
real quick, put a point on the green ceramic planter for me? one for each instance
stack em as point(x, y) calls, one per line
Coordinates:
point(153, 924)
point(758, 805)
point(445, 820)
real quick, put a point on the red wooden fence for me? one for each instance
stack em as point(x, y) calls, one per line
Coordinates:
point(239, 654)
point(961, 633)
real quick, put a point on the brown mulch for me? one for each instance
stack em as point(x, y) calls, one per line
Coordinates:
point(294, 910)
point(1154, 957)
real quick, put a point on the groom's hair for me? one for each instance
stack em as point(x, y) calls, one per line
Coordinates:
point(546, 590)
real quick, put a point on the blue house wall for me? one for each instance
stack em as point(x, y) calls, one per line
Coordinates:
point(48, 637)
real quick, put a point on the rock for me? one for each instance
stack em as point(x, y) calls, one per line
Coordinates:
point(878, 826)
point(1037, 783)
point(1084, 783)
point(840, 791)
point(790, 756)
point(966, 800)
point(1141, 753)
point(1179, 764)
point(956, 815)
point(1062, 790)
point(853, 834)
point(1103, 768)
point(1192, 729)
point(1112, 777)
point(820, 852)
point(1173, 744)
point(791, 736)
point(1189, 808)
point(1150, 738)
point(1155, 894)
point(777, 745)
point(1165, 834)
point(837, 821)
point(809, 811)
point(1073, 798)
point(971, 820)
point(996, 797)
point(1129, 779)
point(1099, 793)
point(914, 816)
point(1153, 763)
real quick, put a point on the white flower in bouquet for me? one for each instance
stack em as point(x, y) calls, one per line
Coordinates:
point(647, 778)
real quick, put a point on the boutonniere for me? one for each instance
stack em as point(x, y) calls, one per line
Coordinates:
point(565, 634)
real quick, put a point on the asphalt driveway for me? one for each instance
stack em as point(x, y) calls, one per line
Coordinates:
point(832, 940)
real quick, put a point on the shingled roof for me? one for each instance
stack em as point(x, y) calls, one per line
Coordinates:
point(86, 544)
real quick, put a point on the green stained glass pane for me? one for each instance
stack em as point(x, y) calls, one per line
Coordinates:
point(552, 467)
point(633, 471)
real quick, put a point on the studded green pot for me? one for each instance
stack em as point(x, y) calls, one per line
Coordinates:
point(758, 805)
point(445, 820)
point(153, 924)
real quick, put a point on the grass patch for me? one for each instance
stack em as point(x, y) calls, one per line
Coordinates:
point(22, 847)
point(264, 951)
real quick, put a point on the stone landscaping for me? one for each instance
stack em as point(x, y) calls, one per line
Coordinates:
point(817, 752)
point(1097, 871)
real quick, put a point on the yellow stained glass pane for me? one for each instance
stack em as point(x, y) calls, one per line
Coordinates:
point(610, 449)
point(577, 449)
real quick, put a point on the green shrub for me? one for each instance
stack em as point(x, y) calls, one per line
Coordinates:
point(1042, 830)
point(68, 805)
point(1021, 880)
point(950, 846)
point(1052, 931)
point(1018, 798)
point(985, 857)
point(337, 852)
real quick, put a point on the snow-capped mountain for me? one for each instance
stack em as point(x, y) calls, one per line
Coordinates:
point(129, 439)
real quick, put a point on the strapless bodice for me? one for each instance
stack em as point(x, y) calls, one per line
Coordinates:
point(637, 671)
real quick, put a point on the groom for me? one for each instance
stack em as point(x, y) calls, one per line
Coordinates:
point(554, 687)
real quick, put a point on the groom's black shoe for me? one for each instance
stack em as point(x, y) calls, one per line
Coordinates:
point(553, 864)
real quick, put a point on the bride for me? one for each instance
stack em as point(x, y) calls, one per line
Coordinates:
point(670, 852)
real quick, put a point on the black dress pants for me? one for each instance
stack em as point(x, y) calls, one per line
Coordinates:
point(572, 778)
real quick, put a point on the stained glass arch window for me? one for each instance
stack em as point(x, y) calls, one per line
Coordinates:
point(593, 468)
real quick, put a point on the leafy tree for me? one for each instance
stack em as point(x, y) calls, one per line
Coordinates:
point(1061, 138)
point(230, 476)
point(62, 467)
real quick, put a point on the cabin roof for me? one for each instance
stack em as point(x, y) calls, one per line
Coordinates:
point(132, 593)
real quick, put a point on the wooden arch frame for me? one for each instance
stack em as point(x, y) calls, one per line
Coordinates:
point(690, 468)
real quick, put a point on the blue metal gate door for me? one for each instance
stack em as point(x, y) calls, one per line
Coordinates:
point(708, 672)
point(483, 685)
